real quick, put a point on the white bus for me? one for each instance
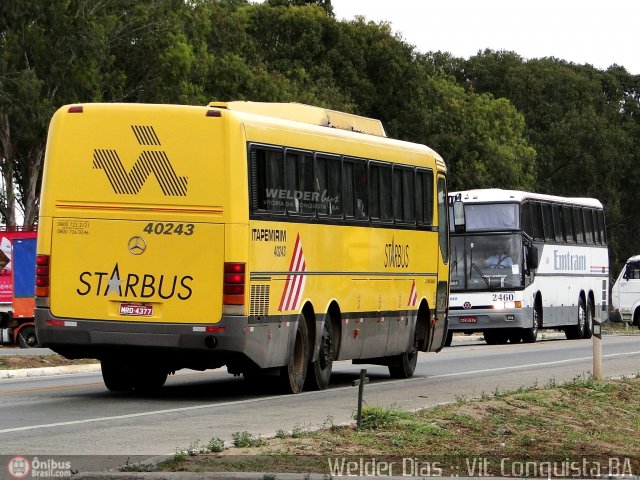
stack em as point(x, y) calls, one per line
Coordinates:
point(525, 261)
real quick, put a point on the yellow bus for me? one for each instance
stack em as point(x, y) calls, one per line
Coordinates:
point(273, 239)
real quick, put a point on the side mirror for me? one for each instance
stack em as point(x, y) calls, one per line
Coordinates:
point(459, 221)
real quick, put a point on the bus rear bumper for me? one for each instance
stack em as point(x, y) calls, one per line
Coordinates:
point(264, 343)
point(478, 320)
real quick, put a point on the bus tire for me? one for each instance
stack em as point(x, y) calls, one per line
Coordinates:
point(588, 324)
point(27, 337)
point(149, 379)
point(495, 337)
point(293, 374)
point(449, 339)
point(319, 372)
point(515, 335)
point(576, 332)
point(117, 377)
point(530, 335)
point(404, 365)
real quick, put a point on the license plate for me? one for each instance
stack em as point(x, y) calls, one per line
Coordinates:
point(467, 319)
point(136, 310)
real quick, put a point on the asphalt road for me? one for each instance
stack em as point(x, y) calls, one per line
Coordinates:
point(75, 415)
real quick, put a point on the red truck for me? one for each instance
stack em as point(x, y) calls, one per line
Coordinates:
point(17, 286)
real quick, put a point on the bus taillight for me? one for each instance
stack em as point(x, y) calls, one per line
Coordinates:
point(42, 275)
point(233, 286)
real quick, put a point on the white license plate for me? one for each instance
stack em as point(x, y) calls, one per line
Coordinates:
point(467, 319)
point(136, 310)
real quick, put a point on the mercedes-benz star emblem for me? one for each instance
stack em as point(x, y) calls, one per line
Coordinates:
point(137, 245)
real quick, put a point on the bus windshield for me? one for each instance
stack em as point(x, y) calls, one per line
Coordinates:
point(486, 262)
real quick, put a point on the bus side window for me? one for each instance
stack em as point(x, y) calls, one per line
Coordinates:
point(536, 217)
point(268, 181)
point(557, 223)
point(588, 225)
point(568, 225)
point(380, 197)
point(299, 172)
point(578, 224)
point(404, 193)
point(354, 188)
point(596, 228)
point(547, 222)
point(424, 197)
point(527, 224)
point(603, 230)
point(327, 185)
point(361, 189)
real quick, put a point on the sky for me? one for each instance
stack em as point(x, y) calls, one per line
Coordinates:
point(600, 33)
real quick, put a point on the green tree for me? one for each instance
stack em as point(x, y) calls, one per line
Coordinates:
point(481, 138)
point(68, 51)
point(581, 121)
point(48, 51)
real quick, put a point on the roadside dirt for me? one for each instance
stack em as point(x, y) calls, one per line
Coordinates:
point(11, 362)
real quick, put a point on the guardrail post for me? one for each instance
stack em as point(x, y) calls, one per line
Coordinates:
point(597, 349)
point(360, 384)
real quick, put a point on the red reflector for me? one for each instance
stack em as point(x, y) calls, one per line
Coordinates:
point(42, 281)
point(233, 278)
point(76, 109)
point(42, 270)
point(42, 259)
point(55, 323)
point(214, 329)
point(233, 289)
point(214, 113)
point(234, 267)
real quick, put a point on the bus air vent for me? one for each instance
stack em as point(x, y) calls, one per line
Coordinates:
point(259, 300)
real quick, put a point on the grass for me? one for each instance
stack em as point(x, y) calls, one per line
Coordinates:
point(590, 422)
point(611, 328)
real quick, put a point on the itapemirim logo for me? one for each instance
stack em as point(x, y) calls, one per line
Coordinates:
point(148, 162)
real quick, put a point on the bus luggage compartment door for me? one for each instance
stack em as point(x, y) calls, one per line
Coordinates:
point(147, 271)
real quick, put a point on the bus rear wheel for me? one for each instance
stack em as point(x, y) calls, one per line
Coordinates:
point(404, 365)
point(294, 373)
point(495, 337)
point(515, 335)
point(150, 379)
point(122, 377)
point(319, 372)
point(449, 339)
point(117, 377)
point(576, 332)
point(588, 324)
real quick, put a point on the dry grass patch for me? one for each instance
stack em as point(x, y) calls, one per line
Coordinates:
point(582, 418)
point(11, 362)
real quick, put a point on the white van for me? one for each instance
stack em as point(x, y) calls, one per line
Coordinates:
point(625, 296)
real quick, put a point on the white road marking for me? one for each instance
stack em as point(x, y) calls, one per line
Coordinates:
point(239, 402)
